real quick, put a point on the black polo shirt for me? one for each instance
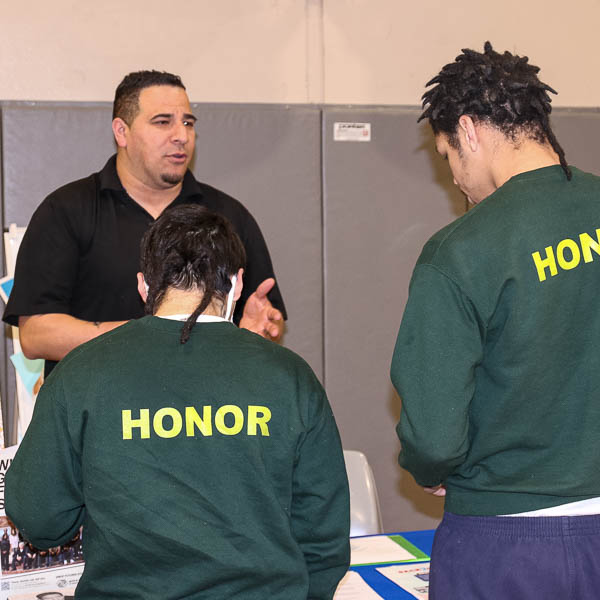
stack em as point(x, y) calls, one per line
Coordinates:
point(81, 251)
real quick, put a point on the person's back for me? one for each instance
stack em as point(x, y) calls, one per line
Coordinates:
point(529, 291)
point(196, 468)
point(495, 359)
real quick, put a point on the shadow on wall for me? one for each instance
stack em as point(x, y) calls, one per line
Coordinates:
point(426, 504)
point(442, 175)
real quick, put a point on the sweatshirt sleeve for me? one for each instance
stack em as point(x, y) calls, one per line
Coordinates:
point(321, 503)
point(438, 348)
point(43, 492)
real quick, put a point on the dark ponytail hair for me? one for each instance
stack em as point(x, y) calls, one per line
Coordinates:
point(189, 247)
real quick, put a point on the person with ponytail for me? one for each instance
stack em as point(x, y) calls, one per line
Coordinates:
point(190, 450)
point(192, 267)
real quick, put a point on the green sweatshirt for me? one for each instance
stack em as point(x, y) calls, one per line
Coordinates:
point(497, 359)
point(207, 470)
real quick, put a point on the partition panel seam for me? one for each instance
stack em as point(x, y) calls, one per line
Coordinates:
point(323, 261)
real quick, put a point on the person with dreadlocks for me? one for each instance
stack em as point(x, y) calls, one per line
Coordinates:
point(190, 450)
point(496, 360)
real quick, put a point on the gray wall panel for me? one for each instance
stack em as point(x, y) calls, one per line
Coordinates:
point(268, 157)
point(382, 200)
point(578, 132)
point(46, 146)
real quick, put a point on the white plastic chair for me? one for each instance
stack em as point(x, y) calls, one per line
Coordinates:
point(365, 514)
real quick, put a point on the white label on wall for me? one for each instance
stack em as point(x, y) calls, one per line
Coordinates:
point(352, 132)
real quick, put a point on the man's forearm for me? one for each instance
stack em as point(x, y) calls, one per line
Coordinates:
point(54, 335)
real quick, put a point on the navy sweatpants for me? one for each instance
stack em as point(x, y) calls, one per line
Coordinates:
point(516, 558)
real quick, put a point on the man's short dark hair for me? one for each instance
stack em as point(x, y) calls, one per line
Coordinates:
point(189, 247)
point(502, 90)
point(127, 96)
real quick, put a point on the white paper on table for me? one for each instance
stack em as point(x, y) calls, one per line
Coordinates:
point(354, 587)
point(377, 549)
point(412, 578)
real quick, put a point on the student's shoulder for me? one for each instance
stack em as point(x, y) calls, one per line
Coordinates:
point(97, 350)
point(449, 240)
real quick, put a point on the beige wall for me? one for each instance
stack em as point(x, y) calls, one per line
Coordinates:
point(285, 51)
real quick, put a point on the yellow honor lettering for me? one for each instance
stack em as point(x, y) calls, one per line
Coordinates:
point(588, 243)
point(193, 419)
point(238, 422)
point(143, 423)
point(548, 262)
point(258, 416)
point(572, 259)
point(202, 422)
point(159, 428)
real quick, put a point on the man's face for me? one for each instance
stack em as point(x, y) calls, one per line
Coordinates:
point(470, 175)
point(160, 141)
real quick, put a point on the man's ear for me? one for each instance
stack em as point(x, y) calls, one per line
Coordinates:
point(468, 130)
point(120, 130)
point(142, 287)
point(239, 284)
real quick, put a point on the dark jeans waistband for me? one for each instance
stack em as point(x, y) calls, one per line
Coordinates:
point(525, 526)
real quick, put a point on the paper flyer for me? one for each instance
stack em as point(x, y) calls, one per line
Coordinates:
point(26, 571)
point(412, 578)
point(381, 549)
point(354, 587)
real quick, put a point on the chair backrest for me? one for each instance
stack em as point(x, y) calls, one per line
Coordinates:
point(365, 514)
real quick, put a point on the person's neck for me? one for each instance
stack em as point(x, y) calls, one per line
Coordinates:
point(152, 200)
point(185, 302)
point(528, 155)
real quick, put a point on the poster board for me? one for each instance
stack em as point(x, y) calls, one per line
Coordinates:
point(26, 571)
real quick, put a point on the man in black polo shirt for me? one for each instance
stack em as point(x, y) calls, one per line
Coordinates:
point(76, 269)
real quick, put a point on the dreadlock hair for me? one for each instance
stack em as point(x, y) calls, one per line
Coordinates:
point(127, 95)
point(500, 89)
point(190, 248)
